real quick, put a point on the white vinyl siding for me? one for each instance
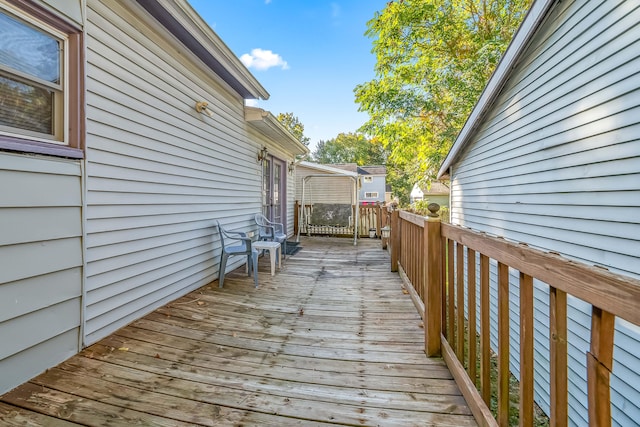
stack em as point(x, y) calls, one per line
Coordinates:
point(41, 258)
point(159, 173)
point(556, 164)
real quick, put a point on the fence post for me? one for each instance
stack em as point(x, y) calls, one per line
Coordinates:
point(296, 213)
point(378, 219)
point(395, 239)
point(433, 291)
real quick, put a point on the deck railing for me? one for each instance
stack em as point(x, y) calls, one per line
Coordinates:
point(441, 260)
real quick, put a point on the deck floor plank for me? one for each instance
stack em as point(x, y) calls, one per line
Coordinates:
point(331, 339)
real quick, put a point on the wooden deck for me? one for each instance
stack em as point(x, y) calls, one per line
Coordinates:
point(331, 339)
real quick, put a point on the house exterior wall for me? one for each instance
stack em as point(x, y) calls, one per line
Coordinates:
point(72, 10)
point(319, 190)
point(41, 274)
point(556, 164)
point(378, 185)
point(158, 172)
point(289, 181)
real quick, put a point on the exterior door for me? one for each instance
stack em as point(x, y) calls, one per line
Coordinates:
point(273, 204)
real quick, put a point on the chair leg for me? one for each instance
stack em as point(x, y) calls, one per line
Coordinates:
point(223, 266)
point(284, 250)
point(255, 268)
point(248, 265)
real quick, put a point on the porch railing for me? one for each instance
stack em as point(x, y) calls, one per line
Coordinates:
point(440, 260)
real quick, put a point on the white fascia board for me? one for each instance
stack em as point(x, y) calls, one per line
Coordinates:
point(266, 123)
point(532, 21)
point(327, 168)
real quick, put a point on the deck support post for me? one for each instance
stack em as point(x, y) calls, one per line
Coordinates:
point(433, 278)
point(395, 239)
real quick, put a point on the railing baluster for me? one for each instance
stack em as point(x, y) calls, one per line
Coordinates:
point(558, 357)
point(450, 296)
point(526, 350)
point(503, 344)
point(444, 280)
point(599, 366)
point(485, 331)
point(471, 302)
point(460, 302)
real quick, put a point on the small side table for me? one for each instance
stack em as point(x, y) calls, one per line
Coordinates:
point(274, 252)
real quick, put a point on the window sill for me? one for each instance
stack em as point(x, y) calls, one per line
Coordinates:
point(35, 147)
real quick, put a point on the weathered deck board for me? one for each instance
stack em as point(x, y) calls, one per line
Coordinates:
point(331, 339)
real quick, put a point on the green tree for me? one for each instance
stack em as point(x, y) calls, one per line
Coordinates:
point(433, 59)
point(350, 148)
point(294, 126)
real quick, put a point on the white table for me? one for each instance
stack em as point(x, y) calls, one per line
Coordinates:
point(274, 249)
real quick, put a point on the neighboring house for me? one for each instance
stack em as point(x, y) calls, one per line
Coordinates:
point(437, 193)
point(550, 156)
point(112, 180)
point(373, 180)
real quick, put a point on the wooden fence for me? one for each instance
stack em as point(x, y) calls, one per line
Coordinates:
point(369, 217)
point(431, 256)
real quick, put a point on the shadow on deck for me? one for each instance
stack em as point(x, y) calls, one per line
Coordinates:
point(331, 339)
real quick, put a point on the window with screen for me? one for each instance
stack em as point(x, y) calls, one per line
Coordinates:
point(40, 78)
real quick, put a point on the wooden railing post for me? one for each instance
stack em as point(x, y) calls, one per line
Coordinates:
point(599, 366)
point(433, 278)
point(395, 239)
point(378, 219)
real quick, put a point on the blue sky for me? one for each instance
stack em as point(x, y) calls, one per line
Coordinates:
point(308, 54)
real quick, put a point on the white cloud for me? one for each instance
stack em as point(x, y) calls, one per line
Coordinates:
point(263, 60)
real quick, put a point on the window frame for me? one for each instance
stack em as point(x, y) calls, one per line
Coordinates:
point(70, 141)
point(367, 179)
point(369, 194)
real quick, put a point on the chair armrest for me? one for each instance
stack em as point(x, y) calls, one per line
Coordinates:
point(241, 235)
point(273, 224)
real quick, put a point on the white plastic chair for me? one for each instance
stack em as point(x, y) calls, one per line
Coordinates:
point(243, 248)
point(271, 231)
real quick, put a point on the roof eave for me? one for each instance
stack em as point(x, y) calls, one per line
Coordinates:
point(266, 123)
point(327, 168)
point(184, 23)
point(534, 18)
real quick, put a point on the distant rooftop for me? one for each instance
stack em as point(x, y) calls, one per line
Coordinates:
point(362, 170)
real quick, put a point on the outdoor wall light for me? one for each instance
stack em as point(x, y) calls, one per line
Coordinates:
point(262, 154)
point(291, 167)
point(203, 107)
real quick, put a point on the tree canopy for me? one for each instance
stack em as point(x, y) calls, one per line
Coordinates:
point(433, 59)
point(294, 126)
point(350, 148)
